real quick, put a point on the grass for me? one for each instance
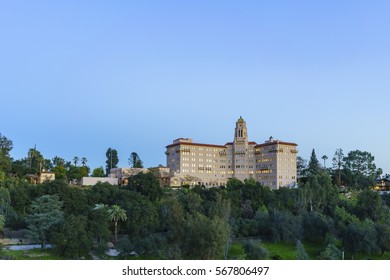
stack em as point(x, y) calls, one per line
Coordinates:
point(34, 254)
point(287, 251)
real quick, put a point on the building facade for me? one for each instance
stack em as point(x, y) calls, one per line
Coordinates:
point(272, 163)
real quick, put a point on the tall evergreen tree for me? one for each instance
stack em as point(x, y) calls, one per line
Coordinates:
point(338, 162)
point(112, 159)
point(314, 166)
point(135, 161)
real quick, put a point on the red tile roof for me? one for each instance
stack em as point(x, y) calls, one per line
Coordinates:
point(194, 144)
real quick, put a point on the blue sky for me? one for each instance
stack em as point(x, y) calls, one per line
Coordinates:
point(78, 77)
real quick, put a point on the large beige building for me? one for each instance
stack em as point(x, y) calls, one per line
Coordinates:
point(272, 163)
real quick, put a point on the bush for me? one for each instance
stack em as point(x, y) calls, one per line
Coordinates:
point(254, 250)
point(331, 252)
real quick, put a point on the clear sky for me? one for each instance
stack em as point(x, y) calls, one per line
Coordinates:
point(78, 77)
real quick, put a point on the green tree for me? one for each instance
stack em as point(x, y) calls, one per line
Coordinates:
point(360, 162)
point(44, 214)
point(84, 161)
point(75, 160)
point(369, 205)
point(315, 227)
point(204, 238)
point(300, 251)
point(314, 194)
point(6, 146)
point(361, 237)
point(254, 250)
point(383, 231)
point(112, 159)
point(338, 162)
point(314, 167)
point(147, 184)
point(58, 161)
point(60, 172)
point(5, 202)
point(72, 239)
point(99, 224)
point(116, 214)
point(135, 161)
point(324, 158)
point(98, 172)
point(35, 160)
point(2, 222)
point(301, 167)
point(2, 176)
point(284, 226)
point(331, 252)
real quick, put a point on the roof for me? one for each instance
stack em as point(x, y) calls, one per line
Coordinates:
point(387, 179)
point(194, 144)
point(276, 142)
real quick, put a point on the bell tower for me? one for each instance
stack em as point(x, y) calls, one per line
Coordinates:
point(241, 133)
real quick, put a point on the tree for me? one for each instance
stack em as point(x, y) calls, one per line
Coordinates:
point(254, 250)
point(115, 214)
point(98, 172)
point(383, 231)
point(72, 239)
point(58, 161)
point(338, 162)
point(5, 202)
point(60, 172)
point(76, 173)
point(135, 161)
point(75, 160)
point(331, 252)
point(369, 205)
point(324, 157)
point(284, 226)
point(300, 251)
point(379, 173)
point(361, 237)
point(2, 222)
point(44, 214)
point(360, 162)
point(315, 227)
point(314, 193)
point(112, 159)
point(35, 160)
point(47, 164)
point(99, 224)
point(204, 238)
point(84, 161)
point(301, 167)
point(147, 184)
point(5, 159)
point(314, 167)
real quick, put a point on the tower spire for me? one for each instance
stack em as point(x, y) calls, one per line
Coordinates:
point(241, 133)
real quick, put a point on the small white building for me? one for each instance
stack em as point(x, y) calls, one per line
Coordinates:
point(90, 181)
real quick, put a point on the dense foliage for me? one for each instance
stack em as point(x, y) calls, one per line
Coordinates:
point(331, 207)
point(199, 223)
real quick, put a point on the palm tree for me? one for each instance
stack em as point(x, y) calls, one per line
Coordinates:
point(83, 161)
point(115, 213)
point(324, 157)
point(75, 160)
